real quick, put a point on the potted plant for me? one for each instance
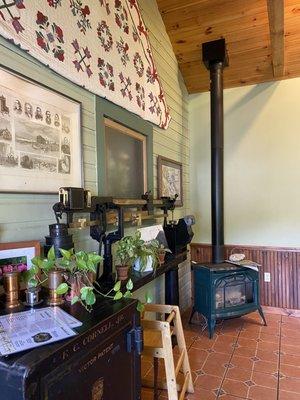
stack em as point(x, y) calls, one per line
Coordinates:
point(146, 254)
point(125, 254)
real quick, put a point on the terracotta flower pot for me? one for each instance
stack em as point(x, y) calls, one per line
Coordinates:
point(122, 272)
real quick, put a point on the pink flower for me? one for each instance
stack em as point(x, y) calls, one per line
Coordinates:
point(85, 11)
point(41, 18)
point(58, 32)
point(16, 24)
point(41, 42)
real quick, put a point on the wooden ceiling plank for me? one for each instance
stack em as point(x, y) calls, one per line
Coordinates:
point(276, 24)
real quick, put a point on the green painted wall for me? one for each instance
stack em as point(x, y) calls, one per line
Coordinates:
point(26, 217)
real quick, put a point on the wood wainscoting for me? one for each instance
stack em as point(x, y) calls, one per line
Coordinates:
point(282, 263)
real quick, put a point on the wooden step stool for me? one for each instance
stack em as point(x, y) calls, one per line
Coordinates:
point(158, 344)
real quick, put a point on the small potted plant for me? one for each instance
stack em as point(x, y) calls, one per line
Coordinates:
point(78, 270)
point(146, 255)
point(125, 254)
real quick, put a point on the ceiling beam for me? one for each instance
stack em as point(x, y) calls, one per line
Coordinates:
point(276, 25)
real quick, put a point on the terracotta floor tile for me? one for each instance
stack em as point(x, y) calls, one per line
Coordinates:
point(291, 341)
point(290, 384)
point(289, 349)
point(266, 380)
point(239, 374)
point(267, 346)
point(208, 382)
point(245, 351)
point(283, 395)
point(202, 394)
point(265, 366)
point(204, 343)
point(235, 388)
point(290, 370)
point(272, 356)
point(227, 397)
point(247, 342)
point(262, 393)
point(224, 344)
point(197, 358)
point(216, 364)
point(269, 338)
point(292, 333)
point(290, 359)
point(241, 362)
point(249, 334)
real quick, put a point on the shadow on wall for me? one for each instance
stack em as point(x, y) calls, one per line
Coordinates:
point(249, 105)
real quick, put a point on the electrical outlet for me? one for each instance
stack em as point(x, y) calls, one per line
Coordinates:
point(267, 277)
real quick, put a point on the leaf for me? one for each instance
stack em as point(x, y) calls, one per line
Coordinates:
point(127, 294)
point(51, 254)
point(65, 253)
point(81, 263)
point(118, 295)
point(117, 286)
point(62, 288)
point(148, 298)
point(32, 282)
point(90, 298)
point(36, 261)
point(84, 291)
point(47, 264)
point(140, 307)
point(74, 300)
point(129, 285)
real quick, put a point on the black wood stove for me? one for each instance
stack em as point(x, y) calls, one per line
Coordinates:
point(221, 290)
point(225, 291)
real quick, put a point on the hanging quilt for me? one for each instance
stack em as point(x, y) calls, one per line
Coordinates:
point(101, 45)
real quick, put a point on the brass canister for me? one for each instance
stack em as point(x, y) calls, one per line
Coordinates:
point(55, 278)
point(11, 283)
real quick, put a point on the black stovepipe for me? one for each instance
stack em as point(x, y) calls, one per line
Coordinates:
point(217, 166)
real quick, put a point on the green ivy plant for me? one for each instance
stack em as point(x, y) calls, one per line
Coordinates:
point(40, 268)
point(125, 250)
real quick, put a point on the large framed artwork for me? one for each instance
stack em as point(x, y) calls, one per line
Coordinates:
point(169, 176)
point(40, 141)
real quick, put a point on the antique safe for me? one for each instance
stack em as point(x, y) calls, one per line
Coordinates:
point(101, 363)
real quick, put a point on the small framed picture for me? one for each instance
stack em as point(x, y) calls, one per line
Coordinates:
point(169, 175)
point(16, 256)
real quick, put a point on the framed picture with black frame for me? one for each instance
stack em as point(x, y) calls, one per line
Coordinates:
point(169, 179)
point(124, 152)
point(40, 137)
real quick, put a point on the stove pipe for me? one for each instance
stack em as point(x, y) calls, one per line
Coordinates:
point(215, 59)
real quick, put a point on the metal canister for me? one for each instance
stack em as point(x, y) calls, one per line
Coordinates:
point(11, 283)
point(55, 278)
point(32, 296)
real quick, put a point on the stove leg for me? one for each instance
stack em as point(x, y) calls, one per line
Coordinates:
point(192, 314)
point(211, 323)
point(261, 313)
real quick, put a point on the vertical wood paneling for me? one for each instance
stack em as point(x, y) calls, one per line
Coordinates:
point(283, 264)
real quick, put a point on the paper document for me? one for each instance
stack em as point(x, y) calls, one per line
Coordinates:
point(33, 328)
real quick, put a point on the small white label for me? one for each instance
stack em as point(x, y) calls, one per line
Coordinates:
point(267, 277)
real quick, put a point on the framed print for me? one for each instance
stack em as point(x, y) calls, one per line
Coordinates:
point(17, 255)
point(169, 174)
point(40, 141)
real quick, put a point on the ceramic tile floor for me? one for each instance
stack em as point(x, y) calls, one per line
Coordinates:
point(244, 360)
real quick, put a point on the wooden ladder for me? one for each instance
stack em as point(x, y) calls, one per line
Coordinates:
point(158, 344)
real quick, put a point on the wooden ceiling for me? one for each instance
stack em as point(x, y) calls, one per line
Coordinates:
point(262, 38)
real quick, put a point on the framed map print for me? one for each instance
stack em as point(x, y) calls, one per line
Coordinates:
point(40, 141)
point(169, 174)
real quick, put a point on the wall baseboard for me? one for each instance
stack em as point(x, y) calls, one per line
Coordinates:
point(283, 263)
